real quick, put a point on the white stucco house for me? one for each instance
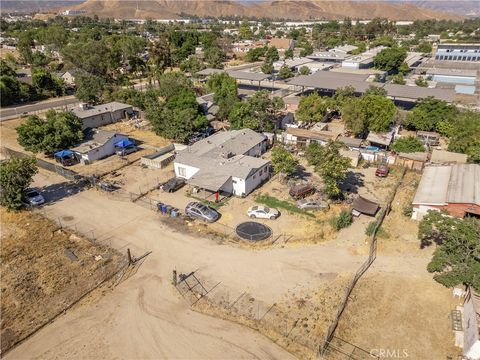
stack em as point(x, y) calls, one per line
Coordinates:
point(227, 162)
point(98, 144)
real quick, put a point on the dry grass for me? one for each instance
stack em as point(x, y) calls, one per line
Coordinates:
point(400, 312)
point(38, 278)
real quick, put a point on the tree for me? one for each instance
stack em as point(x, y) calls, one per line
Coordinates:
point(24, 46)
point(225, 91)
point(283, 161)
point(172, 83)
point(407, 144)
point(312, 108)
point(214, 56)
point(60, 130)
point(89, 87)
point(375, 90)
point(331, 166)
point(160, 55)
point(343, 95)
point(390, 59)
point(256, 113)
point(368, 112)
point(420, 81)
point(272, 54)
point(429, 113)
point(267, 67)
point(15, 177)
point(398, 79)
point(288, 54)
point(457, 256)
point(465, 135)
point(192, 65)
point(424, 47)
point(43, 80)
point(285, 72)
point(6, 70)
point(245, 32)
point(307, 49)
point(304, 70)
point(255, 54)
point(178, 117)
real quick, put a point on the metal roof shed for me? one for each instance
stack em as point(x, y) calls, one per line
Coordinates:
point(416, 92)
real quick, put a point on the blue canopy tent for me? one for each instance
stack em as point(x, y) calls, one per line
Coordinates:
point(122, 144)
point(63, 154)
point(65, 157)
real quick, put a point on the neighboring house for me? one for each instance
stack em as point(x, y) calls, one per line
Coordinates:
point(303, 137)
point(470, 330)
point(98, 144)
point(413, 161)
point(227, 162)
point(443, 157)
point(68, 77)
point(352, 143)
point(380, 140)
point(454, 188)
point(99, 115)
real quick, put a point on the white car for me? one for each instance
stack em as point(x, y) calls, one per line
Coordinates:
point(33, 197)
point(262, 212)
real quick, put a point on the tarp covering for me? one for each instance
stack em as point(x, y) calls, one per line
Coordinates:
point(365, 206)
point(63, 153)
point(124, 143)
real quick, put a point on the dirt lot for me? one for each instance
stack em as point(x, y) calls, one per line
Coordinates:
point(144, 136)
point(399, 231)
point(400, 313)
point(39, 279)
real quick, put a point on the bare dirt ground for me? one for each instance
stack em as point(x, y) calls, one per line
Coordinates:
point(400, 313)
point(143, 135)
point(146, 318)
point(39, 279)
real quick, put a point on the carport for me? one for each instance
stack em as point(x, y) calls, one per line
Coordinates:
point(213, 187)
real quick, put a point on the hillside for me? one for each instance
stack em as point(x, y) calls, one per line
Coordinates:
point(279, 9)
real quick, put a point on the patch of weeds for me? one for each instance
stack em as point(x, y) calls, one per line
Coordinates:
point(273, 202)
point(212, 204)
point(342, 220)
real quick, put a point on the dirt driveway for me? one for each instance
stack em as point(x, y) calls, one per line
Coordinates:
point(144, 317)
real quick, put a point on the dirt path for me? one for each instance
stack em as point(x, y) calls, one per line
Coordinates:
point(144, 318)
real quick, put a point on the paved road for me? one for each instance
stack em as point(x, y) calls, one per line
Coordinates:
point(12, 112)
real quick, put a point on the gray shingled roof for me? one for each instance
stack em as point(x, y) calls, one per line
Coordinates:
point(100, 109)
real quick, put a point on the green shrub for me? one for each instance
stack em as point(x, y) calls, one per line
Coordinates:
point(408, 210)
point(371, 228)
point(343, 220)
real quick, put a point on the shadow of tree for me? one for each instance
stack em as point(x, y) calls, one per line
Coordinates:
point(352, 182)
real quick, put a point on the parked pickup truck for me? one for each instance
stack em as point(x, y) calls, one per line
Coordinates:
point(301, 191)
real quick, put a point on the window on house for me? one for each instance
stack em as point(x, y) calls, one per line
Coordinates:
point(182, 171)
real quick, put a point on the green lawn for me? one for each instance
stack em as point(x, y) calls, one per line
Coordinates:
point(273, 202)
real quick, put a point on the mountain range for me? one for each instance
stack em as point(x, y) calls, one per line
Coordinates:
point(274, 9)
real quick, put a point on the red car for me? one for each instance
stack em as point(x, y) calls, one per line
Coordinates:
point(382, 171)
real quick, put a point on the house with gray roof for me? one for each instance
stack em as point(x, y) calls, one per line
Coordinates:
point(97, 145)
point(454, 188)
point(227, 162)
point(104, 114)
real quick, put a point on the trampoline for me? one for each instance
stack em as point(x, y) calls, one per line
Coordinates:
point(253, 231)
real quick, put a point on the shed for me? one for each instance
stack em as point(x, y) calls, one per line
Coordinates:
point(365, 206)
point(447, 157)
point(414, 161)
point(159, 159)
